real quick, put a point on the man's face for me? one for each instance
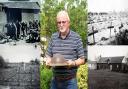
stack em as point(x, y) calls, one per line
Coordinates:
point(63, 24)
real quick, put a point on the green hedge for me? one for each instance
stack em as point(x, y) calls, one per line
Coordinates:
point(82, 77)
point(46, 75)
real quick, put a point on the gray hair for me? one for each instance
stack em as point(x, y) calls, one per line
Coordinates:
point(63, 13)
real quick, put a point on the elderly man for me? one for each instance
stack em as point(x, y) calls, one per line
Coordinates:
point(67, 43)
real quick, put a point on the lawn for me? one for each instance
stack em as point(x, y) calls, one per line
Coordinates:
point(105, 79)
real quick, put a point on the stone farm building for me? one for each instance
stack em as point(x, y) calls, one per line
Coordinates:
point(112, 63)
point(118, 64)
point(18, 11)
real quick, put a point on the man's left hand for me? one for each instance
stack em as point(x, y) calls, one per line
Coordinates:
point(71, 63)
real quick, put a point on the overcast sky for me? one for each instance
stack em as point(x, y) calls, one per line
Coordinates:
point(22, 52)
point(107, 5)
point(106, 51)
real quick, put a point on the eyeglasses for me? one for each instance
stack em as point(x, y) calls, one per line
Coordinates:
point(63, 22)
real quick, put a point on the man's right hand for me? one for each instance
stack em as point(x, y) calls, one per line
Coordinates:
point(48, 61)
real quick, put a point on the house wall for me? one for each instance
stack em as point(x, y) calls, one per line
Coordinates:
point(27, 17)
point(124, 68)
point(36, 16)
point(3, 19)
point(115, 67)
point(118, 67)
point(112, 66)
point(92, 66)
point(102, 66)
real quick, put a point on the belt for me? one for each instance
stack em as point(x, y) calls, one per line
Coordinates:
point(65, 78)
point(64, 67)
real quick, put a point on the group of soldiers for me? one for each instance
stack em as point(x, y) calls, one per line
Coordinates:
point(20, 30)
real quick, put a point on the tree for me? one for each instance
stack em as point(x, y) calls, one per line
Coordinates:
point(77, 11)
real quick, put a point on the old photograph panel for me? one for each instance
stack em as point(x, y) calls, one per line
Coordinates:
point(108, 67)
point(107, 22)
point(19, 44)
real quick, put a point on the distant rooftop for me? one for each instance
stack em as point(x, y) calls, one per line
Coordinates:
point(117, 59)
point(24, 5)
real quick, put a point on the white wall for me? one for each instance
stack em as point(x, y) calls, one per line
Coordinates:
point(30, 17)
point(27, 17)
point(3, 20)
point(92, 66)
point(36, 16)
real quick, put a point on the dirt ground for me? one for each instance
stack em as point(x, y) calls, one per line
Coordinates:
point(20, 76)
point(105, 79)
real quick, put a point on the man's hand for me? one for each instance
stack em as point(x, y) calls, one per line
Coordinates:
point(71, 63)
point(48, 61)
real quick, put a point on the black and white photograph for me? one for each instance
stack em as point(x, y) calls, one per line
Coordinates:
point(20, 49)
point(107, 67)
point(107, 22)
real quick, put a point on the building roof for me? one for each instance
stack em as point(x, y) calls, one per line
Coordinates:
point(91, 62)
point(117, 59)
point(23, 5)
